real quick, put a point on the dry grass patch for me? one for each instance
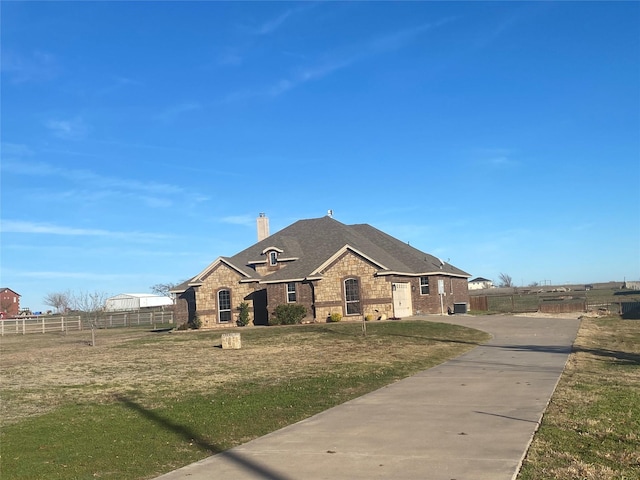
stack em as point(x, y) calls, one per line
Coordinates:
point(591, 428)
point(141, 403)
point(42, 372)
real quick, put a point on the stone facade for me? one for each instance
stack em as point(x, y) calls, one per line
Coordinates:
point(222, 277)
point(375, 292)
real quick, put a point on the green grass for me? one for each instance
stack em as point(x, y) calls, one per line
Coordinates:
point(136, 431)
point(591, 429)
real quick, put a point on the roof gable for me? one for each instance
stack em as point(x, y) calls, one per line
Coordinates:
point(6, 289)
point(244, 272)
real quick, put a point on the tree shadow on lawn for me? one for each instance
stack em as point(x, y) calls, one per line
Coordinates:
point(262, 471)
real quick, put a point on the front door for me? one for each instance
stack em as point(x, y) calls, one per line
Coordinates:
point(260, 313)
point(401, 300)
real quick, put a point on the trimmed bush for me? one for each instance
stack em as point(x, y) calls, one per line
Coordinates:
point(334, 317)
point(243, 316)
point(195, 323)
point(288, 314)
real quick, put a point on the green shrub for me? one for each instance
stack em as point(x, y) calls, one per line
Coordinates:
point(288, 314)
point(243, 316)
point(368, 318)
point(195, 323)
point(334, 317)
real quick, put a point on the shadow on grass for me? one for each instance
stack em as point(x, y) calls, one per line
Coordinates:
point(619, 357)
point(262, 471)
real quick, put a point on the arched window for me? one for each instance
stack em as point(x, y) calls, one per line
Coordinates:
point(273, 258)
point(224, 306)
point(352, 296)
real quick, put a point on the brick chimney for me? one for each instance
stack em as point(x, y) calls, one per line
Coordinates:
point(263, 227)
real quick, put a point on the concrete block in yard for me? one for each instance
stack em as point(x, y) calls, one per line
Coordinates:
point(231, 340)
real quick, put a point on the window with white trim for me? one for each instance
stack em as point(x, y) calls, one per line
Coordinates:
point(424, 285)
point(352, 296)
point(224, 306)
point(273, 258)
point(291, 292)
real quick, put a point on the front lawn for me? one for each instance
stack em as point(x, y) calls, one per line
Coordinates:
point(591, 430)
point(140, 403)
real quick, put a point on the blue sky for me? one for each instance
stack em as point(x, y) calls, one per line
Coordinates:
point(140, 141)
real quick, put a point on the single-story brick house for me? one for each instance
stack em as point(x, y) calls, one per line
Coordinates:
point(328, 267)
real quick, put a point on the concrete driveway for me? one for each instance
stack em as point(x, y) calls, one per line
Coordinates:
point(470, 418)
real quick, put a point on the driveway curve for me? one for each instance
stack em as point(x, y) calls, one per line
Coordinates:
point(471, 418)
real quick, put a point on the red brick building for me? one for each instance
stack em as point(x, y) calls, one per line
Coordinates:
point(9, 302)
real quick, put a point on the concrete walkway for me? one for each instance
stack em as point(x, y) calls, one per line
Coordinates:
point(470, 418)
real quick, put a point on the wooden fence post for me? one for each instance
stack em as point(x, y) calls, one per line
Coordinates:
point(43, 325)
point(62, 324)
point(24, 329)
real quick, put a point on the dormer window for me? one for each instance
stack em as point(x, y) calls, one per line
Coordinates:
point(273, 258)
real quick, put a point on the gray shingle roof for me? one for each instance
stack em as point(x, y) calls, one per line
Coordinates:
point(314, 241)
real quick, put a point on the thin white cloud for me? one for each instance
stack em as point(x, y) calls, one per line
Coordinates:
point(495, 157)
point(35, 228)
point(87, 177)
point(273, 24)
point(381, 44)
point(174, 111)
point(118, 83)
point(73, 129)
point(14, 150)
point(37, 66)
point(245, 220)
point(230, 57)
point(398, 39)
point(51, 275)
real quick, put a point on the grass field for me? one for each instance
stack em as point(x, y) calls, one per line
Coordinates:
point(141, 403)
point(591, 430)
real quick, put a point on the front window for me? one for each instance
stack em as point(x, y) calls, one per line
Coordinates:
point(352, 296)
point(424, 285)
point(291, 292)
point(273, 258)
point(224, 306)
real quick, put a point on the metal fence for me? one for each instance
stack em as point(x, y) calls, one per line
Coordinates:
point(528, 303)
point(57, 323)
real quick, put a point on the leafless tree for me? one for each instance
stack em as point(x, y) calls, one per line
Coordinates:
point(505, 280)
point(5, 304)
point(91, 304)
point(163, 289)
point(61, 301)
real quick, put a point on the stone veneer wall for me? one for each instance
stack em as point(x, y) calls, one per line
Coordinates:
point(375, 292)
point(222, 277)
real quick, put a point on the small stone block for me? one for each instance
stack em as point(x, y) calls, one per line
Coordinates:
point(231, 341)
